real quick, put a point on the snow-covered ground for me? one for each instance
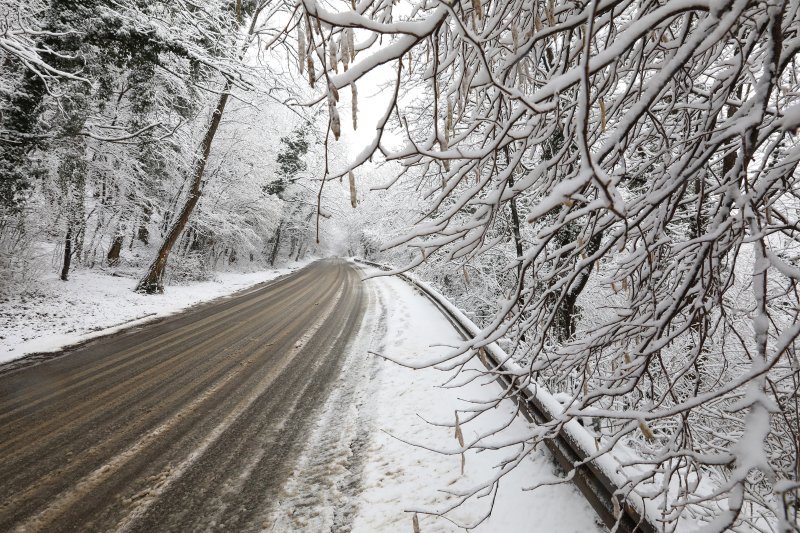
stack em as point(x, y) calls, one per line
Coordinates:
point(399, 477)
point(56, 314)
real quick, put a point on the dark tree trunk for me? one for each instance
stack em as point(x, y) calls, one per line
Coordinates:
point(67, 254)
point(515, 228)
point(153, 281)
point(113, 253)
point(274, 254)
point(567, 315)
point(143, 234)
point(697, 227)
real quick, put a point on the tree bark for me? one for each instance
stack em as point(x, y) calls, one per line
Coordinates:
point(67, 254)
point(143, 234)
point(567, 313)
point(153, 281)
point(274, 254)
point(515, 228)
point(113, 253)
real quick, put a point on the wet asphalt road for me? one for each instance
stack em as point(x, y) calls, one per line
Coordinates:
point(189, 424)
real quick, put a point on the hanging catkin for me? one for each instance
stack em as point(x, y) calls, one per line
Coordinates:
point(344, 51)
point(301, 48)
point(464, 89)
point(476, 9)
point(309, 30)
point(351, 45)
point(336, 127)
point(526, 72)
point(449, 125)
point(334, 63)
point(515, 36)
point(602, 114)
point(444, 145)
point(353, 198)
point(460, 438)
point(646, 431)
point(332, 91)
point(312, 75)
point(312, 78)
point(354, 105)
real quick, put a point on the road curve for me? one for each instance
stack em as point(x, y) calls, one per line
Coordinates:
point(189, 424)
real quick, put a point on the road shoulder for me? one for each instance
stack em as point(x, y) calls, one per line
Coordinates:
point(400, 477)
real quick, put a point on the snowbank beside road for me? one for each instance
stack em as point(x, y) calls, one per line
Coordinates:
point(57, 314)
point(399, 477)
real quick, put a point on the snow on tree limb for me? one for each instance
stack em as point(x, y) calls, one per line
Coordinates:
point(652, 148)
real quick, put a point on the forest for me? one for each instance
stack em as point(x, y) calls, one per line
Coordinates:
point(608, 188)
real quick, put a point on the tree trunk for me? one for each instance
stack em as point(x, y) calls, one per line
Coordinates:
point(515, 228)
point(153, 281)
point(699, 324)
point(67, 254)
point(143, 234)
point(113, 253)
point(274, 254)
point(567, 313)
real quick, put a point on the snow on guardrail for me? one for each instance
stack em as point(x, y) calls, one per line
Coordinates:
point(597, 473)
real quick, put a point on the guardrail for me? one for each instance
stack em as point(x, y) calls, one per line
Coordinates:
point(598, 480)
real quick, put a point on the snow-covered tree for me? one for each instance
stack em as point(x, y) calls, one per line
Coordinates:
point(635, 162)
point(103, 110)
